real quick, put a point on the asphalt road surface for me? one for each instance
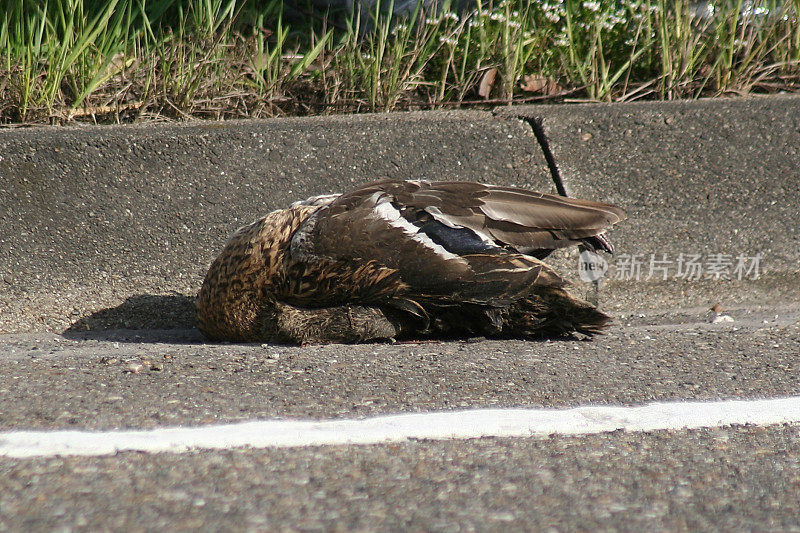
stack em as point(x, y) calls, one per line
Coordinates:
point(740, 477)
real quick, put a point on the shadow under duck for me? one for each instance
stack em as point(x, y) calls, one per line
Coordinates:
point(404, 259)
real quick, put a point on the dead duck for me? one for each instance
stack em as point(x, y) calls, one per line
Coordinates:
point(404, 259)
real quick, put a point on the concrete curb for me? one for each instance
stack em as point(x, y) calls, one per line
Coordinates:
point(114, 226)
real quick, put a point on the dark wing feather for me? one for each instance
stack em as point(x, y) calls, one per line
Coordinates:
point(351, 231)
point(521, 219)
point(455, 241)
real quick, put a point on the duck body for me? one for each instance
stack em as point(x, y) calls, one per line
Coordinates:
point(404, 259)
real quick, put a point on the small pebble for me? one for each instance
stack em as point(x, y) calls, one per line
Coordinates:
point(135, 368)
point(721, 318)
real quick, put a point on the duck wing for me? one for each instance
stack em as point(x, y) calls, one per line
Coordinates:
point(527, 221)
point(453, 241)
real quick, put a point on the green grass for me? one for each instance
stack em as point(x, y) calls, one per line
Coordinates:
point(126, 60)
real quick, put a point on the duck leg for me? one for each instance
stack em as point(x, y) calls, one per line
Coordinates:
point(345, 324)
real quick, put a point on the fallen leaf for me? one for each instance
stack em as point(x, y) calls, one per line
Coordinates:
point(487, 82)
point(533, 83)
point(536, 83)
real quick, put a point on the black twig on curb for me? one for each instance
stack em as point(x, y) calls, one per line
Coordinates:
point(538, 130)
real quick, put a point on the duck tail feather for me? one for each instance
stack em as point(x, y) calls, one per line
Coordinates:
point(552, 312)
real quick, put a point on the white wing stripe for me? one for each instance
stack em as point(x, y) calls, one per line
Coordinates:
point(390, 214)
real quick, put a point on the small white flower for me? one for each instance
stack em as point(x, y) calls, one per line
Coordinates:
point(612, 21)
point(592, 5)
point(552, 17)
point(450, 16)
point(448, 40)
point(499, 17)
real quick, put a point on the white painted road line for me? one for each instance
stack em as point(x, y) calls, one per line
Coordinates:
point(473, 423)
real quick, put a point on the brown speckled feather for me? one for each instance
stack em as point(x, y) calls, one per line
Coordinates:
point(429, 258)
